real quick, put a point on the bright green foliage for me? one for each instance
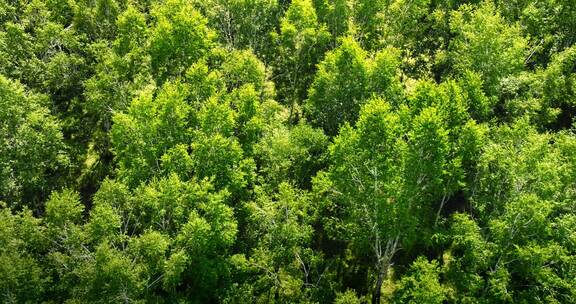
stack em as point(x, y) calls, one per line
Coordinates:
point(104, 223)
point(274, 226)
point(280, 265)
point(480, 106)
point(179, 38)
point(486, 44)
point(347, 297)
point(302, 42)
point(177, 131)
point(375, 173)
point(203, 83)
point(118, 70)
point(151, 126)
point(338, 16)
point(243, 24)
point(404, 23)
point(548, 23)
point(63, 208)
point(32, 151)
point(468, 256)
point(441, 119)
point(121, 71)
point(369, 18)
point(419, 28)
point(95, 18)
point(522, 196)
point(22, 277)
point(204, 237)
point(49, 58)
point(390, 178)
point(345, 79)
point(240, 68)
point(365, 181)
point(109, 275)
point(559, 83)
point(546, 96)
point(131, 26)
point(198, 230)
point(384, 75)
point(275, 151)
point(167, 203)
point(428, 160)
point(291, 155)
point(117, 199)
point(421, 284)
point(221, 158)
point(249, 119)
point(43, 55)
point(338, 88)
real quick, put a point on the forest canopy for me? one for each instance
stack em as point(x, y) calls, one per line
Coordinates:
point(277, 151)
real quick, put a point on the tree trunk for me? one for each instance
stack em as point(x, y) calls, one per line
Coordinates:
point(384, 263)
point(383, 272)
point(440, 209)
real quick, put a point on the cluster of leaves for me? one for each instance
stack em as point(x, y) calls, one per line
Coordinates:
point(304, 151)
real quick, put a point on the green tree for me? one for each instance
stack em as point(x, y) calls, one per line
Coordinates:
point(33, 155)
point(367, 185)
point(148, 130)
point(339, 87)
point(520, 195)
point(244, 24)
point(397, 168)
point(21, 239)
point(546, 23)
point(291, 154)
point(121, 72)
point(276, 151)
point(302, 42)
point(421, 284)
point(546, 95)
point(486, 44)
point(281, 267)
point(180, 36)
point(346, 78)
point(108, 274)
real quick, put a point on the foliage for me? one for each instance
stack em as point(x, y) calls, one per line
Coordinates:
point(486, 44)
point(345, 80)
point(32, 150)
point(276, 151)
point(421, 284)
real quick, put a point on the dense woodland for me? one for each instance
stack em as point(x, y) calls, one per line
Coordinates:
point(276, 151)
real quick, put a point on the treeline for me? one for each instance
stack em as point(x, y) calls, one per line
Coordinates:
point(273, 151)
